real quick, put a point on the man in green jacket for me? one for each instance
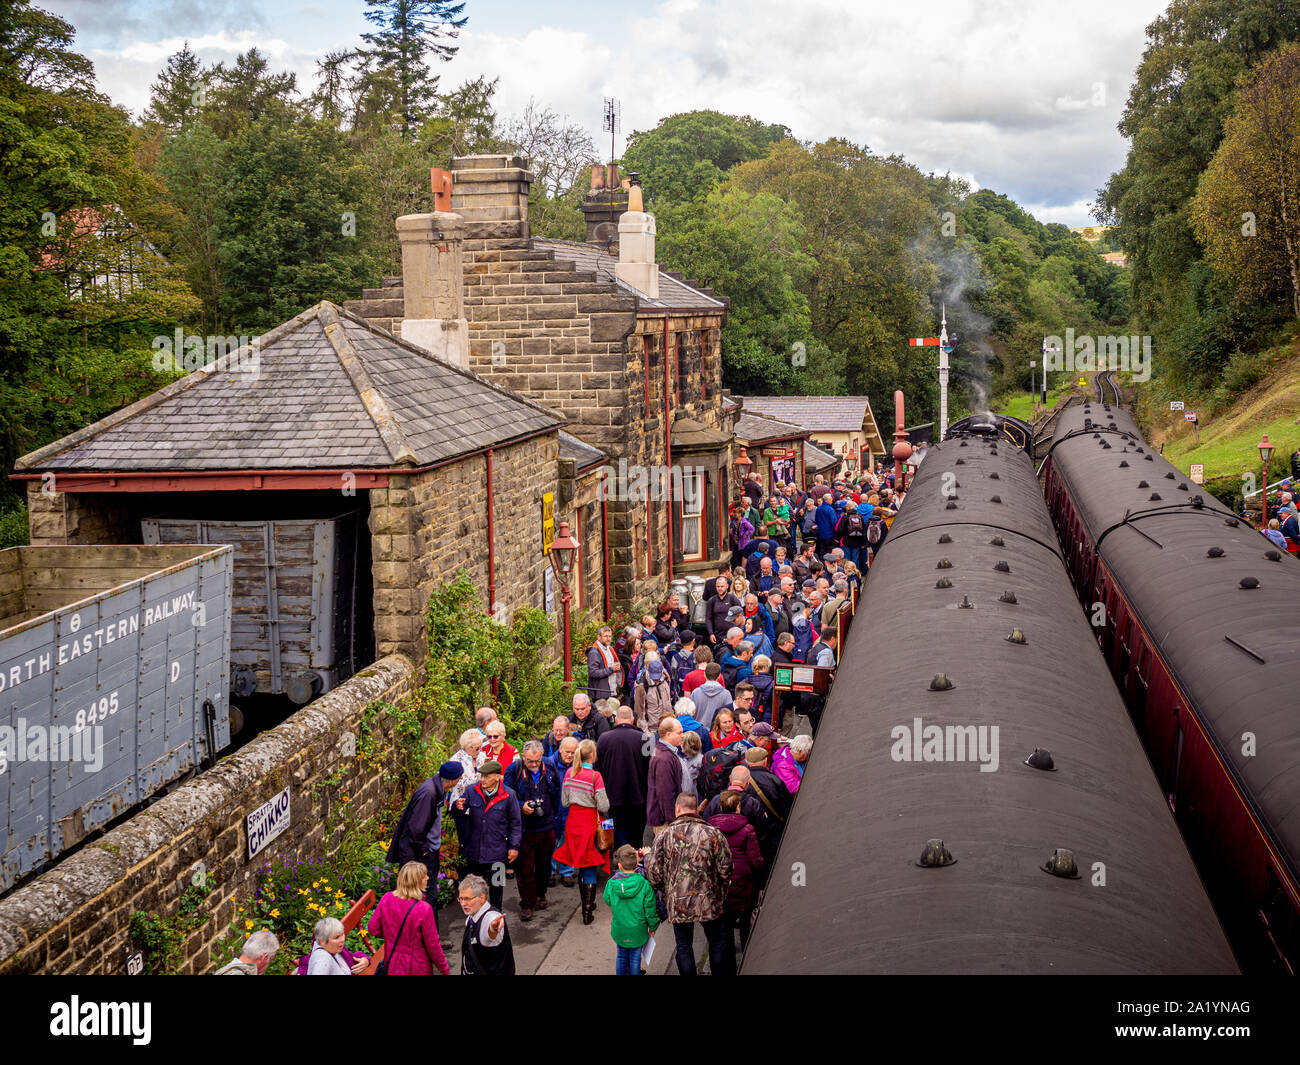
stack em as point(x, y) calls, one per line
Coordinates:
point(634, 913)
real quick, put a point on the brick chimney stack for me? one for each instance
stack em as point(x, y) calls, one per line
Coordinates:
point(636, 246)
point(433, 286)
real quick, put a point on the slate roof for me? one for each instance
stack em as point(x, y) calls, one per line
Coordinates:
point(831, 414)
point(331, 391)
point(584, 454)
point(674, 293)
point(815, 460)
point(755, 429)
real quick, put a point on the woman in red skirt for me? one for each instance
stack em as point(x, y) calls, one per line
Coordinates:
point(583, 791)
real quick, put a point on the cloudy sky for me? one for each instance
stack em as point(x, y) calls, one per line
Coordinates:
point(1021, 96)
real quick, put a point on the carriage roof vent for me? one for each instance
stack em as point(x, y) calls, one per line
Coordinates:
point(1007, 597)
point(997, 541)
point(951, 505)
point(943, 563)
point(943, 582)
point(935, 855)
point(1123, 465)
point(945, 539)
point(1062, 864)
point(994, 476)
point(995, 499)
point(1016, 637)
point(1143, 484)
point(1155, 497)
point(1169, 476)
point(1214, 552)
point(941, 683)
point(1249, 582)
point(965, 603)
point(1230, 521)
point(1041, 759)
point(1001, 566)
point(1273, 556)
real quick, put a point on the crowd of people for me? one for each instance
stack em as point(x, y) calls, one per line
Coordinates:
point(1283, 527)
point(669, 776)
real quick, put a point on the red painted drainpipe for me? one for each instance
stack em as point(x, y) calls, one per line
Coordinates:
point(492, 558)
point(604, 544)
point(668, 449)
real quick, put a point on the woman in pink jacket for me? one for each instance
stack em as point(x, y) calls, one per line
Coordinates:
point(408, 927)
point(789, 762)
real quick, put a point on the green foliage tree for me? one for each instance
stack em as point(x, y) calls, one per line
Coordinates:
point(1174, 119)
point(69, 352)
point(687, 155)
point(1247, 209)
point(407, 34)
point(179, 92)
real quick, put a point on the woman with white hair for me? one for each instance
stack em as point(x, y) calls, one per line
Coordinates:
point(790, 761)
point(328, 958)
point(471, 756)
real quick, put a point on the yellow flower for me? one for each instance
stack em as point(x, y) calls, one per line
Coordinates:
point(316, 884)
point(275, 913)
point(248, 925)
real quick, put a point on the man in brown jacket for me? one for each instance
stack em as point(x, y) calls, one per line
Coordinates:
point(690, 864)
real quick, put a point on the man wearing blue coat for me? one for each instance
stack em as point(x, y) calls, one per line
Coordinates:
point(536, 785)
point(490, 827)
point(826, 519)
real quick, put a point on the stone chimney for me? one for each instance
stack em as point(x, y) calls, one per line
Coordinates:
point(490, 192)
point(605, 205)
point(636, 246)
point(433, 286)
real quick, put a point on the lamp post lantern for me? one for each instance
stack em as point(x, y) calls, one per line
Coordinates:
point(1265, 453)
point(743, 465)
point(564, 549)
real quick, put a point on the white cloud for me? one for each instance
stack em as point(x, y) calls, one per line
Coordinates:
point(1022, 98)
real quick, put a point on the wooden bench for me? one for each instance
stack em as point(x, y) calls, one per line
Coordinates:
point(352, 921)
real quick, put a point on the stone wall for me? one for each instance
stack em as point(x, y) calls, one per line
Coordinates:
point(82, 518)
point(76, 918)
point(427, 526)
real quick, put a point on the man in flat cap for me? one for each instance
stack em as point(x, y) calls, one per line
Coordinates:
point(490, 825)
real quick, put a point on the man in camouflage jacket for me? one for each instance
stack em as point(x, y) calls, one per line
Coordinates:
point(690, 865)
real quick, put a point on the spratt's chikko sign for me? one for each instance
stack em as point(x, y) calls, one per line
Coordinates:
point(267, 822)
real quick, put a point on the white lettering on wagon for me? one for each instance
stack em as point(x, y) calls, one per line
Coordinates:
point(93, 639)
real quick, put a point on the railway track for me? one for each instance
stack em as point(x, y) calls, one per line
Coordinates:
point(1107, 388)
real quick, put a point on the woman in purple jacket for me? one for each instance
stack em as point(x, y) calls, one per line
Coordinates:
point(746, 862)
point(408, 927)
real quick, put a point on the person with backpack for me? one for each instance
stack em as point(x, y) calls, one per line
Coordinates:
point(757, 690)
point(746, 865)
point(804, 636)
point(681, 662)
point(710, 696)
point(852, 532)
point(633, 910)
point(653, 693)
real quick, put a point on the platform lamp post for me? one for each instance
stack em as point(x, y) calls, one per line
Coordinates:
point(743, 465)
point(1265, 453)
point(564, 549)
